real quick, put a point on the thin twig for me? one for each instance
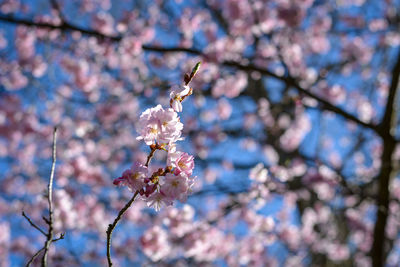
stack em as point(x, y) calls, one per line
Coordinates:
point(33, 224)
point(62, 235)
point(50, 202)
point(112, 226)
point(50, 232)
point(40, 250)
point(150, 156)
point(34, 257)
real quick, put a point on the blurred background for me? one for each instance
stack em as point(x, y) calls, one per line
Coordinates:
point(293, 123)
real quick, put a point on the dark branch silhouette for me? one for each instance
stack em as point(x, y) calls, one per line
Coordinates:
point(378, 252)
point(66, 26)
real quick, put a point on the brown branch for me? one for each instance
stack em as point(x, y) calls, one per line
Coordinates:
point(40, 250)
point(172, 49)
point(32, 223)
point(64, 26)
point(378, 250)
point(34, 257)
point(326, 105)
point(151, 154)
point(114, 224)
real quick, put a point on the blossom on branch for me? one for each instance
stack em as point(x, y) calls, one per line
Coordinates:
point(184, 163)
point(133, 177)
point(175, 186)
point(177, 98)
point(158, 124)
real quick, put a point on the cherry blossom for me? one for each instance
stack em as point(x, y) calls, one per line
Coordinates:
point(133, 177)
point(157, 124)
point(283, 148)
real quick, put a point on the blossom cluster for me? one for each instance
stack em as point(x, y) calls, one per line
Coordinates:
point(160, 128)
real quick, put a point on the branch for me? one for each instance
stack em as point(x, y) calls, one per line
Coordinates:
point(34, 257)
point(64, 26)
point(326, 105)
point(50, 232)
point(40, 250)
point(388, 115)
point(378, 252)
point(154, 147)
point(172, 49)
point(114, 224)
point(150, 156)
point(111, 227)
point(33, 224)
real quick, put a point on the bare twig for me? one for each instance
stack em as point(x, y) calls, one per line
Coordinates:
point(32, 223)
point(150, 156)
point(62, 235)
point(112, 226)
point(50, 202)
point(40, 250)
point(50, 232)
point(34, 257)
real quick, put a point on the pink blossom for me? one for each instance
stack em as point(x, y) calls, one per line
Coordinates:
point(338, 252)
point(295, 134)
point(5, 238)
point(25, 43)
point(65, 214)
point(9, 6)
point(224, 109)
point(179, 221)
point(155, 243)
point(104, 23)
point(133, 177)
point(157, 200)
point(259, 173)
point(15, 80)
point(183, 163)
point(175, 186)
point(157, 124)
point(170, 125)
point(231, 85)
point(131, 46)
point(207, 243)
point(251, 251)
